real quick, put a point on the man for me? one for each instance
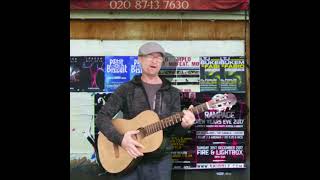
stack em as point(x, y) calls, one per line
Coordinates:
point(145, 92)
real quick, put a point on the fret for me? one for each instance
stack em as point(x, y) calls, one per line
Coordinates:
point(193, 110)
point(202, 108)
point(197, 110)
point(161, 124)
point(168, 122)
point(172, 119)
point(152, 128)
point(205, 106)
point(147, 130)
point(175, 118)
point(179, 116)
point(155, 127)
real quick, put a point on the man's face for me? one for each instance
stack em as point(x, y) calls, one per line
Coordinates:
point(151, 63)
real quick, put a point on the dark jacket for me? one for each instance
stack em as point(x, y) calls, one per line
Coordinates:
point(132, 99)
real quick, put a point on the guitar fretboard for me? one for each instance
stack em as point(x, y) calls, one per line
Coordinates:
point(172, 120)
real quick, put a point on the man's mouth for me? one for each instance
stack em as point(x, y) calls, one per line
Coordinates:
point(153, 66)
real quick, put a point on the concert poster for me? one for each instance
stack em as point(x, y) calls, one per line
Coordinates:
point(183, 72)
point(120, 69)
point(222, 73)
point(86, 73)
point(232, 74)
point(209, 74)
point(216, 141)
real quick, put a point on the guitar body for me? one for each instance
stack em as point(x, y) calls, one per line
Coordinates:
point(113, 158)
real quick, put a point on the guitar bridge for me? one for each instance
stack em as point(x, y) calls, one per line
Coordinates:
point(116, 150)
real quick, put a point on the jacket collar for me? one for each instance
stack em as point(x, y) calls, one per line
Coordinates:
point(165, 83)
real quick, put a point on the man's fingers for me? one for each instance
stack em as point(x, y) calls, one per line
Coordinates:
point(131, 153)
point(137, 152)
point(134, 152)
point(185, 121)
point(136, 143)
point(187, 113)
point(133, 132)
point(136, 149)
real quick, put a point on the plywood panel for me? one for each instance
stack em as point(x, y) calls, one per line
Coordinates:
point(157, 29)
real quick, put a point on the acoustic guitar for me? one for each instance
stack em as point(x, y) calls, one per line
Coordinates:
point(114, 159)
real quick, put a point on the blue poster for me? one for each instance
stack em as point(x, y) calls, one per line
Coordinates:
point(118, 70)
point(135, 68)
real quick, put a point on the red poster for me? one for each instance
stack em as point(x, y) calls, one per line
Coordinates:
point(160, 5)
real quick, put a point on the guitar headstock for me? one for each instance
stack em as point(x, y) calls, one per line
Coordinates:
point(220, 102)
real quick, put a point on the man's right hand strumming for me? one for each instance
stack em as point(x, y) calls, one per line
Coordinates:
point(130, 145)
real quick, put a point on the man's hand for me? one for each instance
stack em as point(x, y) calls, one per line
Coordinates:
point(130, 145)
point(188, 118)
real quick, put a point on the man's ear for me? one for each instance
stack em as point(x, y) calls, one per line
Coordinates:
point(139, 59)
point(164, 60)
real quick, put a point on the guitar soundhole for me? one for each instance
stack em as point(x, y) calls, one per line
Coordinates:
point(142, 132)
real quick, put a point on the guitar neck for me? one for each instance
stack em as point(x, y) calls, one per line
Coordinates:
point(172, 120)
